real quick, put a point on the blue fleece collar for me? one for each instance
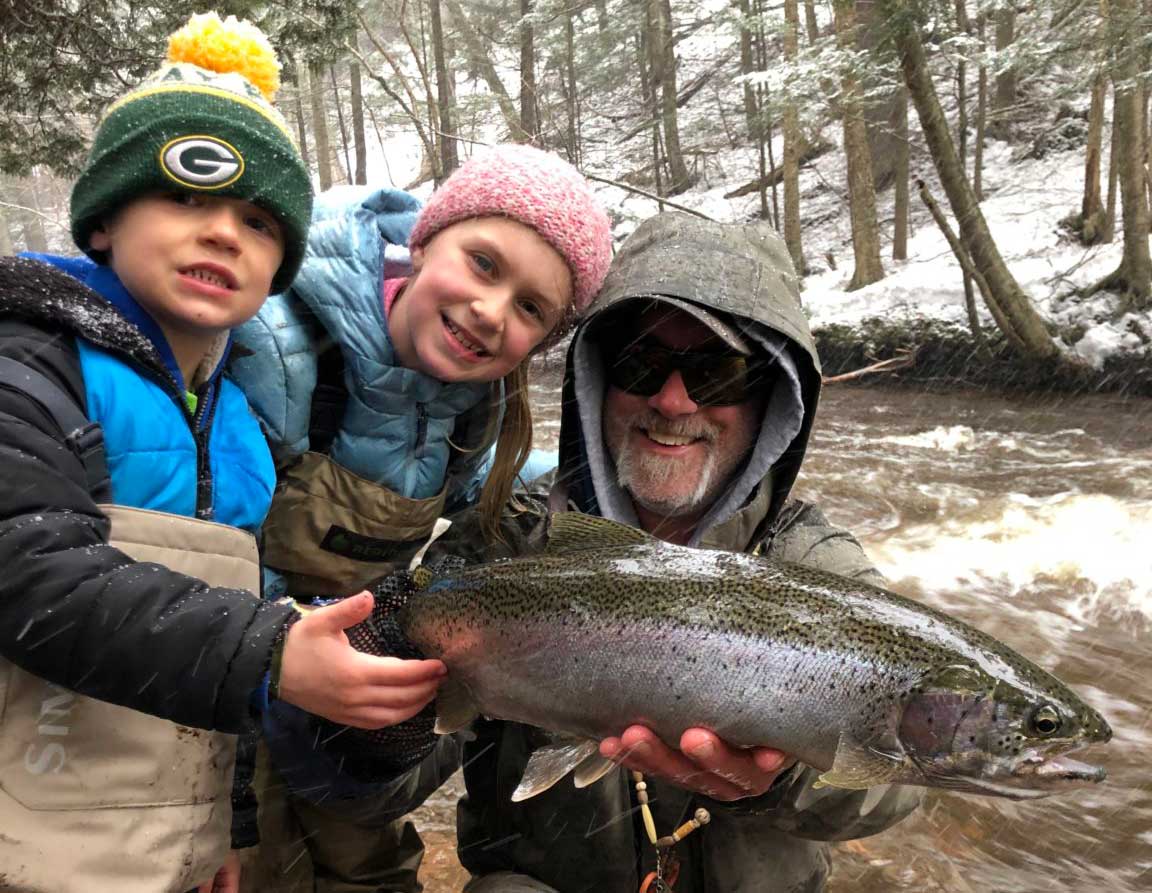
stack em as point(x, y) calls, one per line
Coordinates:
point(103, 280)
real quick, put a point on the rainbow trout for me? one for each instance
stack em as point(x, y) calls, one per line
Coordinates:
point(608, 627)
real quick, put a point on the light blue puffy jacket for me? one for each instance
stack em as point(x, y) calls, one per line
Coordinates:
point(398, 421)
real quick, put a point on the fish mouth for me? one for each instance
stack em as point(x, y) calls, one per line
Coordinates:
point(1028, 777)
point(1038, 774)
point(1058, 769)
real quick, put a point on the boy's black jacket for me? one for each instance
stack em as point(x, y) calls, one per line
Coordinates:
point(74, 610)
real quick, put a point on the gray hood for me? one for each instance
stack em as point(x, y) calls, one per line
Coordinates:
point(744, 272)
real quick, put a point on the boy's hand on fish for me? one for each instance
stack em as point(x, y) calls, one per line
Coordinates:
point(322, 673)
point(704, 763)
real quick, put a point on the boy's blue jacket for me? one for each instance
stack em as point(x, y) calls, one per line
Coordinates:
point(398, 422)
point(92, 609)
point(151, 438)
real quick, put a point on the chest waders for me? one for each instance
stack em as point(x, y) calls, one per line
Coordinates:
point(95, 796)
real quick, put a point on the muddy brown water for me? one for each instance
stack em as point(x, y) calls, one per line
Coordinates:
point(1031, 519)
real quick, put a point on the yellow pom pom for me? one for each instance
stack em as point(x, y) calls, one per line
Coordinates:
point(231, 45)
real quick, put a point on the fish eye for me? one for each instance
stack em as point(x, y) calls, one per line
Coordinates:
point(1045, 721)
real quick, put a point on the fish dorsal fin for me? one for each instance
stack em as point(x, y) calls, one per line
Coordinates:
point(858, 766)
point(574, 532)
point(592, 770)
point(549, 764)
point(455, 708)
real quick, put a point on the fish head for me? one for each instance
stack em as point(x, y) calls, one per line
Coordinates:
point(966, 730)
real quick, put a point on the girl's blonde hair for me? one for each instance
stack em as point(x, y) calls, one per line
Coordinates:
point(513, 444)
point(514, 439)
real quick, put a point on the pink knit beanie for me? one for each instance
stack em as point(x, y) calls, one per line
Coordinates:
point(538, 189)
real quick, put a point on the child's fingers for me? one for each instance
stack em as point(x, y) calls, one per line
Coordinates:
point(394, 671)
point(391, 696)
point(340, 615)
point(378, 717)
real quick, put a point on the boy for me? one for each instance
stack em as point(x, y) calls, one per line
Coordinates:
point(133, 478)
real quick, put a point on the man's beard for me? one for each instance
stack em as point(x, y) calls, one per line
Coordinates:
point(649, 479)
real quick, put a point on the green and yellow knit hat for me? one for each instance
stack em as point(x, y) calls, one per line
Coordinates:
point(203, 123)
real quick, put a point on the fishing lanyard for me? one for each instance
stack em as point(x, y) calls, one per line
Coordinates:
point(663, 879)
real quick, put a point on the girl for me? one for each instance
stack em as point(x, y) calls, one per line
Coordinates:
point(386, 373)
point(384, 377)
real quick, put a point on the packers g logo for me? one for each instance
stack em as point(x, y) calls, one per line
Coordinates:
point(201, 162)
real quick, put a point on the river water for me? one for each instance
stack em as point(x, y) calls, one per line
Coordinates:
point(1031, 519)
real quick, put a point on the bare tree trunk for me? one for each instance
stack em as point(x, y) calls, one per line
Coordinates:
point(900, 211)
point(602, 22)
point(1092, 205)
point(300, 83)
point(1134, 275)
point(436, 135)
point(648, 95)
point(747, 66)
point(1113, 181)
point(771, 172)
point(962, 89)
point(1004, 97)
point(528, 117)
point(962, 138)
point(343, 129)
point(880, 112)
point(764, 129)
point(792, 146)
point(1004, 297)
point(482, 62)
point(981, 125)
point(320, 125)
point(360, 175)
point(664, 80)
point(810, 21)
point(572, 93)
point(861, 192)
point(445, 94)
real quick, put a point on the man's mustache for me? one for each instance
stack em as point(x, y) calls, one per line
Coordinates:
point(695, 428)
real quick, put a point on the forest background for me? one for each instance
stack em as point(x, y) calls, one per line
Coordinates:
point(964, 184)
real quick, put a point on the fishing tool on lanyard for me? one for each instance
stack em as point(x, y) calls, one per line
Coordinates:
point(663, 879)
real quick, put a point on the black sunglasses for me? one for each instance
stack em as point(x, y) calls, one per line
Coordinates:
point(711, 379)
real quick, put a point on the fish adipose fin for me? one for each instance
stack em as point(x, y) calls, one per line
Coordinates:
point(857, 766)
point(454, 707)
point(574, 532)
point(549, 764)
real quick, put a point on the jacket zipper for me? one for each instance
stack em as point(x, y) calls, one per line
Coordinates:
point(205, 510)
point(421, 427)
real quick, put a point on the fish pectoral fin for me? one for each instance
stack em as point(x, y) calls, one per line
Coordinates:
point(574, 532)
point(549, 764)
point(592, 770)
point(873, 797)
point(455, 708)
point(857, 766)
